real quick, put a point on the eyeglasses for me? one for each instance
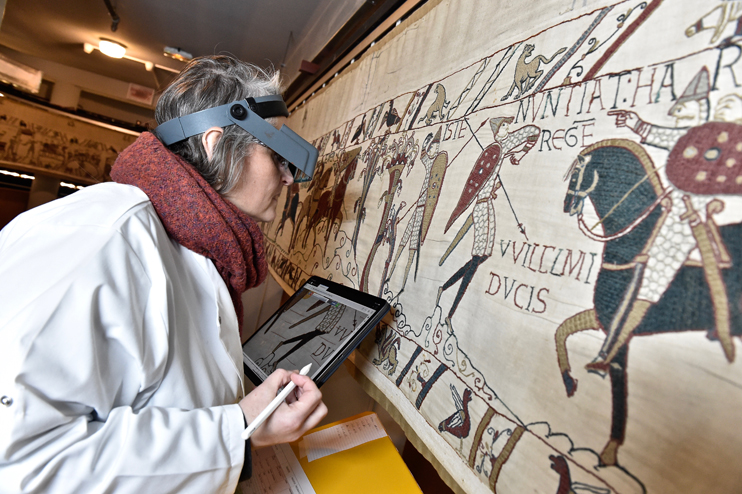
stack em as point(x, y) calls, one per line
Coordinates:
point(285, 165)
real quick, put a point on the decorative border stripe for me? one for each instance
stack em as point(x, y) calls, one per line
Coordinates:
point(478, 436)
point(572, 50)
point(648, 10)
point(429, 384)
point(504, 455)
point(407, 367)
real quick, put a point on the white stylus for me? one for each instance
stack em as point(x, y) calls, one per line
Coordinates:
point(280, 398)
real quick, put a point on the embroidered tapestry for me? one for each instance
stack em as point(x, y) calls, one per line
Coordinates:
point(35, 139)
point(548, 195)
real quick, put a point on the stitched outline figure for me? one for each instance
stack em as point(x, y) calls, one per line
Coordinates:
point(688, 221)
point(436, 108)
point(602, 172)
point(402, 153)
point(435, 163)
point(527, 73)
point(372, 156)
point(482, 184)
point(388, 343)
point(458, 423)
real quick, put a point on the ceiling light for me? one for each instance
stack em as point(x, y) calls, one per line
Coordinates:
point(119, 51)
point(112, 48)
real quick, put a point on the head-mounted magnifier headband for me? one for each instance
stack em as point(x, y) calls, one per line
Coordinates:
point(248, 114)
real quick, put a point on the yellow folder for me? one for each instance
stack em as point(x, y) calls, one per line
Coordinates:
point(372, 468)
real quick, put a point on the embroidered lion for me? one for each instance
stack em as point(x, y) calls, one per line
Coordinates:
point(438, 105)
point(388, 343)
point(527, 73)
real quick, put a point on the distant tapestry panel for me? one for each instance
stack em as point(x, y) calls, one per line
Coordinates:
point(549, 195)
point(36, 139)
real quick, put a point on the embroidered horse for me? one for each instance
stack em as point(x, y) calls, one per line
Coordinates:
point(334, 214)
point(311, 203)
point(620, 180)
point(329, 205)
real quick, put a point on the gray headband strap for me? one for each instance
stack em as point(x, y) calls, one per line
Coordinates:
point(248, 114)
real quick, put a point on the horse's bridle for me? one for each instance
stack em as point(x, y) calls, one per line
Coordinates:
point(581, 166)
point(625, 230)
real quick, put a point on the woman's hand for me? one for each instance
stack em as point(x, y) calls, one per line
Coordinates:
point(302, 410)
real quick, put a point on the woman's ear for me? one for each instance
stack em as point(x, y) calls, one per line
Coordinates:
point(210, 138)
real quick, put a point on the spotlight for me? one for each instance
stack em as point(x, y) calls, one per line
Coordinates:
point(111, 48)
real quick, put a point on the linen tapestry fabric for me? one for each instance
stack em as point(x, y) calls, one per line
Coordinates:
point(548, 195)
point(39, 140)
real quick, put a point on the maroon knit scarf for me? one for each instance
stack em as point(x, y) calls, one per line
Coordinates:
point(195, 215)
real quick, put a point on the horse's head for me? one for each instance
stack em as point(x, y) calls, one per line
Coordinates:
point(581, 183)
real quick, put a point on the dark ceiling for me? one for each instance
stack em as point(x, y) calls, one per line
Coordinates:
point(253, 30)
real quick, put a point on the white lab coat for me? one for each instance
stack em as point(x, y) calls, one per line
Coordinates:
point(120, 353)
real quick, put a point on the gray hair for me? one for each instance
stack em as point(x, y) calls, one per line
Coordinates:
point(208, 82)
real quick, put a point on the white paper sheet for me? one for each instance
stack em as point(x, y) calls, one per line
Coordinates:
point(276, 471)
point(341, 437)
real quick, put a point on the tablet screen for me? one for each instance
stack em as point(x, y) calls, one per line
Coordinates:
point(320, 324)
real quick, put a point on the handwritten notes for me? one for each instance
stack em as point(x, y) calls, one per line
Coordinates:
point(276, 471)
point(342, 437)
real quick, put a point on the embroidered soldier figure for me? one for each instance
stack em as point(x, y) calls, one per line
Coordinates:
point(417, 228)
point(700, 157)
point(480, 189)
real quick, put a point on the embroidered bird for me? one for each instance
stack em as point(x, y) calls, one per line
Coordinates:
point(459, 422)
point(359, 129)
point(391, 117)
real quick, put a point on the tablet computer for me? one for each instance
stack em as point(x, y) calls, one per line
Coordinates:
point(320, 324)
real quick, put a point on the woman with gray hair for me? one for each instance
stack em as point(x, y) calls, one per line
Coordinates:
point(120, 306)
